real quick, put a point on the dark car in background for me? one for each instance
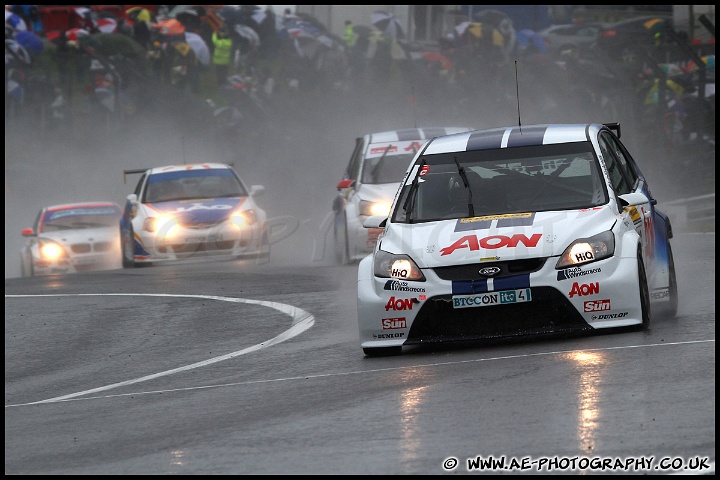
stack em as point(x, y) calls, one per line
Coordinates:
point(630, 39)
point(567, 38)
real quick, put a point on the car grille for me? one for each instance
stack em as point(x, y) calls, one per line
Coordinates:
point(507, 268)
point(81, 248)
point(549, 312)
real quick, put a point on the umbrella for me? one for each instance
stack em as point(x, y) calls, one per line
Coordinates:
point(248, 33)
point(196, 42)
point(170, 27)
point(15, 21)
point(106, 24)
point(74, 33)
point(527, 37)
point(17, 51)
point(30, 41)
point(140, 14)
point(387, 23)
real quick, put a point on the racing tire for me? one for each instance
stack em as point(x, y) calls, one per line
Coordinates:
point(126, 249)
point(25, 269)
point(341, 243)
point(382, 351)
point(670, 309)
point(644, 294)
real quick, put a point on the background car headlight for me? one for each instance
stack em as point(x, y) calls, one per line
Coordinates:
point(374, 208)
point(241, 218)
point(587, 250)
point(154, 224)
point(390, 265)
point(51, 251)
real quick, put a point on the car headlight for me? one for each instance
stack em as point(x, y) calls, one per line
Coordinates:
point(165, 227)
point(587, 250)
point(242, 218)
point(51, 251)
point(390, 265)
point(369, 209)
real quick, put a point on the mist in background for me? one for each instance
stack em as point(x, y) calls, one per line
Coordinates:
point(299, 152)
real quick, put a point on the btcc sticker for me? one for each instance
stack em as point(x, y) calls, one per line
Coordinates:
point(597, 305)
point(574, 272)
point(584, 289)
point(400, 286)
point(394, 323)
point(472, 242)
point(608, 316)
point(494, 298)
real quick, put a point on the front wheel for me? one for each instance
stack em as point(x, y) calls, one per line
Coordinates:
point(644, 294)
point(126, 247)
point(341, 242)
point(382, 351)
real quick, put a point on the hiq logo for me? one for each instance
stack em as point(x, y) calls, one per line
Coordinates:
point(584, 289)
point(398, 272)
point(399, 304)
point(584, 256)
point(597, 305)
point(394, 323)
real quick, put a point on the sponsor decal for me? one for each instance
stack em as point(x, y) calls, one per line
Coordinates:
point(425, 169)
point(635, 215)
point(493, 298)
point(662, 293)
point(400, 286)
point(472, 242)
point(485, 222)
point(574, 272)
point(388, 335)
point(400, 303)
point(584, 289)
point(394, 323)
point(608, 316)
point(597, 305)
point(489, 259)
point(387, 148)
point(413, 146)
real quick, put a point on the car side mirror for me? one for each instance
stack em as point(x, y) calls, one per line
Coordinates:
point(635, 198)
point(28, 232)
point(257, 190)
point(375, 221)
point(347, 183)
point(132, 198)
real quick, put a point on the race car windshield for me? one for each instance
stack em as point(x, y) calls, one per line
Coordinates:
point(192, 184)
point(502, 181)
point(387, 168)
point(80, 218)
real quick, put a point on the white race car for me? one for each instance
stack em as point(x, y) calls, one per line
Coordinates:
point(70, 238)
point(182, 211)
point(372, 177)
point(516, 231)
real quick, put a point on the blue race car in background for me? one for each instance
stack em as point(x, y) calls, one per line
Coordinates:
point(183, 211)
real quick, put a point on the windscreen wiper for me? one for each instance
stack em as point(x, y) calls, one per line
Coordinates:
point(463, 175)
point(410, 200)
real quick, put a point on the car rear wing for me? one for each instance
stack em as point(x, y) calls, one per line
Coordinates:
point(133, 171)
point(615, 127)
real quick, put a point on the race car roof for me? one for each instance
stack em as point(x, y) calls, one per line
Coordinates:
point(409, 134)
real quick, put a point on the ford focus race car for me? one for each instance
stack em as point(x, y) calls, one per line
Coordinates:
point(182, 211)
point(516, 231)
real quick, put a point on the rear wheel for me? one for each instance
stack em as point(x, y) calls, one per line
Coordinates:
point(670, 308)
point(644, 294)
point(382, 351)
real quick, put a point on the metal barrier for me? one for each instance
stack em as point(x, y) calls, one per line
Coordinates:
point(691, 213)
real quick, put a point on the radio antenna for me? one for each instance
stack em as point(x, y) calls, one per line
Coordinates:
point(517, 95)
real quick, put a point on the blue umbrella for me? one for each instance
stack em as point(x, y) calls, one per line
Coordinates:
point(30, 41)
point(526, 37)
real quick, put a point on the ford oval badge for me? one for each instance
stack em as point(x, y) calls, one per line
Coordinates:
point(489, 271)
